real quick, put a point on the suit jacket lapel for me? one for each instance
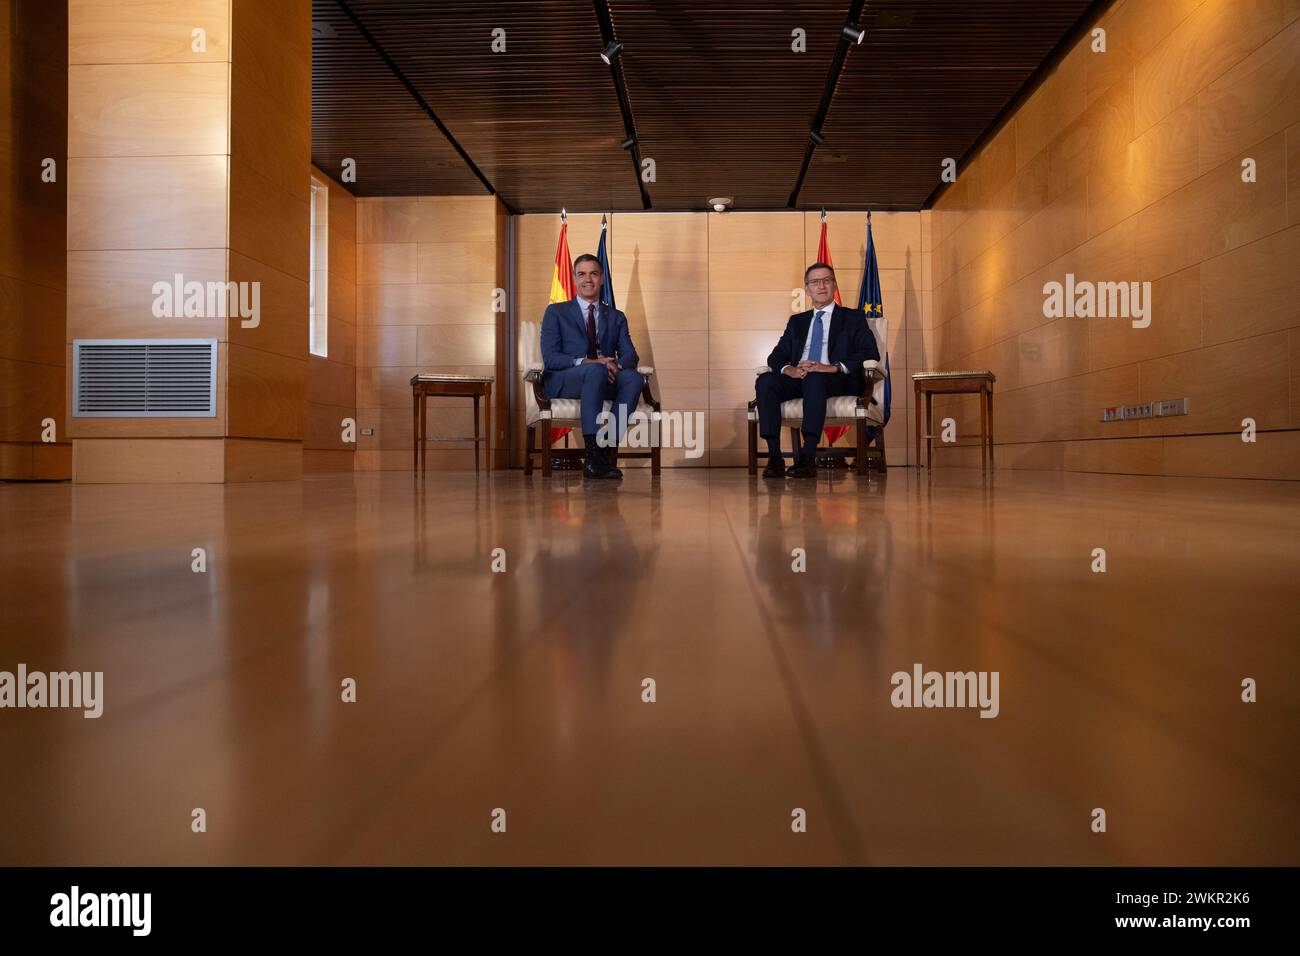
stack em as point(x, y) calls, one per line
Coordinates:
point(837, 324)
point(606, 320)
point(804, 327)
point(575, 310)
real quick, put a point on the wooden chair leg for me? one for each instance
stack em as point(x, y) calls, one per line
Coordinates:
point(860, 462)
point(796, 442)
point(528, 450)
point(880, 446)
point(654, 458)
point(546, 448)
point(753, 446)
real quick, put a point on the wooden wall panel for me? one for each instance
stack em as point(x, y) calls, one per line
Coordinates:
point(31, 322)
point(659, 265)
point(271, 135)
point(268, 224)
point(148, 460)
point(175, 202)
point(193, 162)
point(1210, 40)
point(266, 394)
point(171, 109)
point(33, 218)
point(147, 31)
point(1129, 168)
point(110, 292)
point(426, 269)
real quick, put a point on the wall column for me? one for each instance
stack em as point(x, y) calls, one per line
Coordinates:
point(189, 139)
point(33, 170)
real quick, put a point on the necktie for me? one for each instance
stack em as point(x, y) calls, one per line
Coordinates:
point(815, 345)
point(591, 331)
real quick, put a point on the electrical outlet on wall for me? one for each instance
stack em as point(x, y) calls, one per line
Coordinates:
point(1156, 409)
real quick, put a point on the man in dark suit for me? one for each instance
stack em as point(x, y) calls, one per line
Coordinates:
point(819, 356)
point(589, 356)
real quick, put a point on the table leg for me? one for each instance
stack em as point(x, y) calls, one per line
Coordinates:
point(487, 415)
point(424, 433)
point(988, 398)
point(476, 433)
point(929, 429)
point(415, 429)
point(916, 413)
point(984, 429)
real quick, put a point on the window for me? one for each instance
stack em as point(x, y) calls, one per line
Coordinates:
point(318, 284)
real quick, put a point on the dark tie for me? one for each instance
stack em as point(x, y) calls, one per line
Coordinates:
point(591, 331)
point(815, 347)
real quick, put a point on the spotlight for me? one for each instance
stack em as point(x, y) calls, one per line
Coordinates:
point(816, 137)
point(853, 33)
point(628, 143)
point(720, 203)
point(611, 51)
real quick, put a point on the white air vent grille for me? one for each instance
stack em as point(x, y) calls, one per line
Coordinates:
point(144, 378)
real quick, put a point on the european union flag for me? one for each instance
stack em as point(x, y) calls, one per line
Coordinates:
point(606, 290)
point(871, 302)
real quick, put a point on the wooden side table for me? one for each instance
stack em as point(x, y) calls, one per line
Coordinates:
point(459, 386)
point(953, 383)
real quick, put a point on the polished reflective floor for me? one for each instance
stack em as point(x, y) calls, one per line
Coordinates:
point(523, 690)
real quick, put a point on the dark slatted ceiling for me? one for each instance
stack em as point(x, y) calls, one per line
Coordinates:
point(721, 102)
point(541, 120)
point(360, 110)
point(911, 96)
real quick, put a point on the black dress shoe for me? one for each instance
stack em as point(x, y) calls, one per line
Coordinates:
point(775, 469)
point(614, 470)
point(597, 466)
point(804, 467)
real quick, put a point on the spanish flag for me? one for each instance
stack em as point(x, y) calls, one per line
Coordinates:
point(562, 273)
point(833, 432)
point(562, 290)
point(824, 255)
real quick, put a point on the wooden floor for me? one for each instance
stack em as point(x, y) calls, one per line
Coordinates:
point(522, 690)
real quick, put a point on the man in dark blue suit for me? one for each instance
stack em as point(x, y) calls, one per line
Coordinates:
point(589, 356)
point(819, 356)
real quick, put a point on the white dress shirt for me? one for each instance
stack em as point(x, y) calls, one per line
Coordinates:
point(582, 307)
point(823, 347)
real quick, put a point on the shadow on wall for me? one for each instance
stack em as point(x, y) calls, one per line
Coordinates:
point(634, 309)
point(910, 318)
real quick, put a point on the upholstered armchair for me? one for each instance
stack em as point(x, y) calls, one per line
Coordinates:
point(541, 414)
point(866, 414)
